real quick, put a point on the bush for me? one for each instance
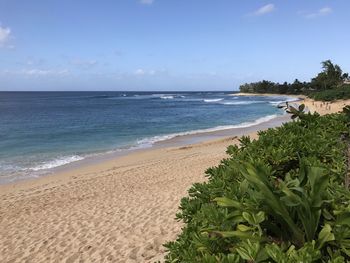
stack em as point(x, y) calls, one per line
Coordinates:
point(280, 198)
point(342, 92)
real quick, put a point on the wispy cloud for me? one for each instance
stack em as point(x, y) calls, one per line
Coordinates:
point(35, 72)
point(266, 9)
point(146, 2)
point(32, 62)
point(321, 12)
point(42, 72)
point(5, 33)
point(142, 72)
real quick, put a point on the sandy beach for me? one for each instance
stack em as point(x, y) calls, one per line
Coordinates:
point(118, 210)
point(314, 106)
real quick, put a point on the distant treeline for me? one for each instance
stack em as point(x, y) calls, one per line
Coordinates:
point(331, 82)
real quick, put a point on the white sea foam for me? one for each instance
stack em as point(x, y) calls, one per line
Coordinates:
point(167, 97)
point(56, 162)
point(283, 100)
point(143, 143)
point(212, 100)
point(242, 102)
point(147, 142)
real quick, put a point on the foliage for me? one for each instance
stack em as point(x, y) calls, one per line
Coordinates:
point(295, 112)
point(266, 86)
point(331, 77)
point(341, 92)
point(280, 198)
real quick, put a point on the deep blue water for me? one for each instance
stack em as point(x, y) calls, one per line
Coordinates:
point(41, 130)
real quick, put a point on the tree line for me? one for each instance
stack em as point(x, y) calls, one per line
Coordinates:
point(331, 77)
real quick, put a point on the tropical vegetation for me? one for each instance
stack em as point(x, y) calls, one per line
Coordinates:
point(280, 198)
point(329, 84)
point(341, 92)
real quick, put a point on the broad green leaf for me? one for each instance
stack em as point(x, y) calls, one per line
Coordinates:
point(227, 202)
point(243, 228)
point(325, 235)
point(343, 219)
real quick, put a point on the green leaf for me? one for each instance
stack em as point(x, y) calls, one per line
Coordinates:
point(254, 219)
point(237, 234)
point(325, 235)
point(226, 202)
point(343, 219)
point(243, 228)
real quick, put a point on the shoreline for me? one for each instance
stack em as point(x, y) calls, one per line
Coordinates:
point(268, 95)
point(312, 105)
point(168, 140)
point(65, 163)
point(189, 139)
point(120, 210)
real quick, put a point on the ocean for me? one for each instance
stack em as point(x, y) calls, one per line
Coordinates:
point(40, 131)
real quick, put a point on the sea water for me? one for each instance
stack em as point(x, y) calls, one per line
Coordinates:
point(43, 130)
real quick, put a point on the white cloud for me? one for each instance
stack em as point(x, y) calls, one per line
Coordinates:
point(151, 72)
point(264, 10)
point(5, 34)
point(325, 11)
point(321, 12)
point(41, 72)
point(139, 72)
point(37, 72)
point(32, 62)
point(146, 2)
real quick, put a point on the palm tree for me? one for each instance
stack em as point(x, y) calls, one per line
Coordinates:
point(331, 76)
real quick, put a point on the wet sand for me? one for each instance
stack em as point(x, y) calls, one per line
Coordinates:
point(116, 210)
point(119, 209)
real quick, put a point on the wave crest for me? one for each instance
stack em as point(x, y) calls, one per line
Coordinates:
point(56, 162)
point(147, 142)
point(212, 100)
point(242, 102)
point(167, 97)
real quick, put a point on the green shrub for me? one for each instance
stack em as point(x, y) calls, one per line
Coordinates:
point(342, 92)
point(280, 198)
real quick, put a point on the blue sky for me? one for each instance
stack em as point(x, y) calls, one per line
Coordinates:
point(167, 44)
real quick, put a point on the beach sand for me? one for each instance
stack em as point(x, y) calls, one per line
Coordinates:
point(325, 107)
point(314, 106)
point(118, 210)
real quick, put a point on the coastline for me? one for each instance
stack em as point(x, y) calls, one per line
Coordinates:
point(176, 142)
point(312, 105)
point(120, 209)
point(268, 95)
point(167, 140)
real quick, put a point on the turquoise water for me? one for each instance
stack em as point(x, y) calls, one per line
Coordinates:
point(43, 130)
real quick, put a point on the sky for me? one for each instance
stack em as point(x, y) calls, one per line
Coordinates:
point(167, 45)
